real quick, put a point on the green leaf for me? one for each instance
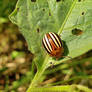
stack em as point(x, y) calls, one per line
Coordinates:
point(37, 18)
point(80, 18)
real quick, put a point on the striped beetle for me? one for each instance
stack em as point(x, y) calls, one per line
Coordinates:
point(53, 45)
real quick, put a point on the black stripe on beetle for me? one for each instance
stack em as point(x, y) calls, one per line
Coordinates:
point(53, 44)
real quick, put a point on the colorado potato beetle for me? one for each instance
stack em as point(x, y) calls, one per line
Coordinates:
point(53, 44)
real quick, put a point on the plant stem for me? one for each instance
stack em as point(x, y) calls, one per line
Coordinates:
point(38, 74)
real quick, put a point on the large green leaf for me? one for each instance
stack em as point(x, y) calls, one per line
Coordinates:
point(37, 17)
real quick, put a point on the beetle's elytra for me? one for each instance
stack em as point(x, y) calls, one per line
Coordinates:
point(53, 44)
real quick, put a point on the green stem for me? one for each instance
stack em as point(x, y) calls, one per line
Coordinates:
point(38, 74)
point(71, 8)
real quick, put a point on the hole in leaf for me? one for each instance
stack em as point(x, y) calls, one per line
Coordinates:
point(77, 32)
point(17, 9)
point(58, 0)
point(38, 30)
point(82, 13)
point(43, 9)
point(33, 0)
point(80, 0)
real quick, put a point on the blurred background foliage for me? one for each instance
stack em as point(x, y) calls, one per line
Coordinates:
point(6, 8)
point(17, 68)
point(15, 59)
